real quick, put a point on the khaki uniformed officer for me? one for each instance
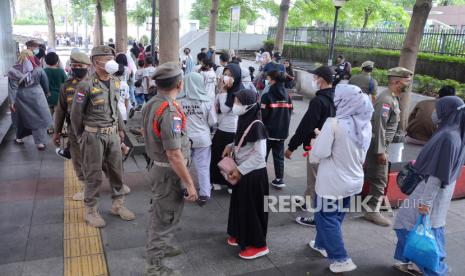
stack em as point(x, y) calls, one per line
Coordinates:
point(167, 145)
point(96, 120)
point(365, 80)
point(79, 63)
point(385, 121)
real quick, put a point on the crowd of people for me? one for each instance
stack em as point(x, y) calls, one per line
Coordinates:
point(206, 114)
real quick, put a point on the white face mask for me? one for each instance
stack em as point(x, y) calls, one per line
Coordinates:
point(227, 79)
point(111, 67)
point(239, 110)
point(315, 85)
point(434, 117)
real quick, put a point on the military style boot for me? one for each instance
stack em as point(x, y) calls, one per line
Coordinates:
point(125, 190)
point(79, 196)
point(377, 218)
point(156, 268)
point(93, 218)
point(171, 251)
point(118, 209)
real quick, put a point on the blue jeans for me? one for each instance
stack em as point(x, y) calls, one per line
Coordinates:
point(328, 227)
point(132, 96)
point(139, 98)
point(440, 239)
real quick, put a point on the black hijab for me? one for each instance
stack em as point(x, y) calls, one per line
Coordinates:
point(235, 70)
point(258, 131)
point(278, 91)
point(135, 50)
point(444, 154)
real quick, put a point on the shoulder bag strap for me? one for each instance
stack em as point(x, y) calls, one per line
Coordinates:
point(245, 134)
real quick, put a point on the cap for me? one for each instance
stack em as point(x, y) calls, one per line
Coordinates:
point(102, 50)
point(400, 72)
point(80, 57)
point(167, 70)
point(32, 43)
point(368, 64)
point(324, 72)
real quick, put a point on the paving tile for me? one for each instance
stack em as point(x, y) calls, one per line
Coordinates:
point(43, 267)
point(13, 245)
point(48, 211)
point(17, 190)
point(22, 172)
point(13, 221)
point(11, 269)
point(45, 241)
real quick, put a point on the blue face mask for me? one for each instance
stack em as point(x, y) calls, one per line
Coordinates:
point(35, 51)
point(266, 82)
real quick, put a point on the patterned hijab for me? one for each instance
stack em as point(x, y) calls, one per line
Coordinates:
point(353, 112)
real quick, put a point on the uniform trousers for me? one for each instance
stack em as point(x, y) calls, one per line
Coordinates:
point(201, 158)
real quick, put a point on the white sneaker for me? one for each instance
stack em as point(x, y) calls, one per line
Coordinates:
point(339, 267)
point(322, 251)
point(216, 187)
point(79, 196)
point(229, 191)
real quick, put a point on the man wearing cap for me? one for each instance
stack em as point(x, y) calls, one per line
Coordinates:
point(167, 145)
point(365, 81)
point(96, 121)
point(385, 122)
point(320, 108)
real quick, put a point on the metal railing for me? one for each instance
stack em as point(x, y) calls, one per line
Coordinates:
point(445, 42)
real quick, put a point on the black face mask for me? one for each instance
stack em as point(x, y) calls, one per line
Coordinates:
point(79, 72)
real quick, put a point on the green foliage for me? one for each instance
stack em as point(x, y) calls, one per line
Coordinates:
point(142, 11)
point(353, 14)
point(144, 40)
point(249, 12)
point(30, 21)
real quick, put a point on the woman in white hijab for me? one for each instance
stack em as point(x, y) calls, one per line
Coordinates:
point(341, 149)
point(201, 118)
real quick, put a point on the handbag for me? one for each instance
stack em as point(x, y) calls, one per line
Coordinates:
point(227, 164)
point(408, 178)
point(421, 246)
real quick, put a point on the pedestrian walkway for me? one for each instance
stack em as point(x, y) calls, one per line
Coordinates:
point(34, 241)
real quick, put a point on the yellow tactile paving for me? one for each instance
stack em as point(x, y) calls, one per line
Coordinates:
point(83, 250)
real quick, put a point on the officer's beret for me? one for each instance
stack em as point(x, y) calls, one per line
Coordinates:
point(167, 70)
point(80, 57)
point(367, 64)
point(102, 50)
point(400, 72)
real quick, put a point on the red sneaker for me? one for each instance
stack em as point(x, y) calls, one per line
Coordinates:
point(232, 241)
point(253, 252)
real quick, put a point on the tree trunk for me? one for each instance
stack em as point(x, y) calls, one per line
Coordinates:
point(283, 14)
point(213, 21)
point(51, 23)
point(169, 31)
point(366, 17)
point(409, 52)
point(98, 24)
point(121, 26)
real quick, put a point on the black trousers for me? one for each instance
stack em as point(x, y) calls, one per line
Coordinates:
point(277, 148)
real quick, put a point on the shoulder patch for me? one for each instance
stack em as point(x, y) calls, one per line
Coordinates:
point(80, 96)
point(177, 125)
point(117, 85)
point(385, 110)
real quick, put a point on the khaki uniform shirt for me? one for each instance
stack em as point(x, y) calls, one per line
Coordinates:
point(65, 101)
point(164, 128)
point(363, 81)
point(96, 105)
point(385, 121)
point(420, 125)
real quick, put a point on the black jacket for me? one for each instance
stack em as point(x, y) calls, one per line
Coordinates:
point(319, 109)
point(276, 106)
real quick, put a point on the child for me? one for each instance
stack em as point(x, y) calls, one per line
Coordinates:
point(56, 77)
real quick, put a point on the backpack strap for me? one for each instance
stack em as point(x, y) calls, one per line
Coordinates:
point(245, 134)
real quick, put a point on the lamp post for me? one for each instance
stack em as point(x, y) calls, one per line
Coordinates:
point(154, 34)
point(337, 4)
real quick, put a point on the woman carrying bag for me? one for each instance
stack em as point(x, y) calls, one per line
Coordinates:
point(441, 161)
point(248, 221)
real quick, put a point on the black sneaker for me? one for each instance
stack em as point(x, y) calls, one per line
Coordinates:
point(305, 221)
point(139, 107)
point(131, 113)
point(278, 183)
point(202, 200)
point(63, 153)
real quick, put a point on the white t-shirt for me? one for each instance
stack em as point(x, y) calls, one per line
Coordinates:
point(209, 78)
point(340, 173)
point(201, 117)
point(227, 121)
point(147, 72)
point(138, 76)
point(124, 95)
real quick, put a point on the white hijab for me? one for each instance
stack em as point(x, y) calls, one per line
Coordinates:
point(353, 112)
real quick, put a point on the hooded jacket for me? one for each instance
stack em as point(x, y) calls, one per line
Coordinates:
point(276, 106)
point(319, 109)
